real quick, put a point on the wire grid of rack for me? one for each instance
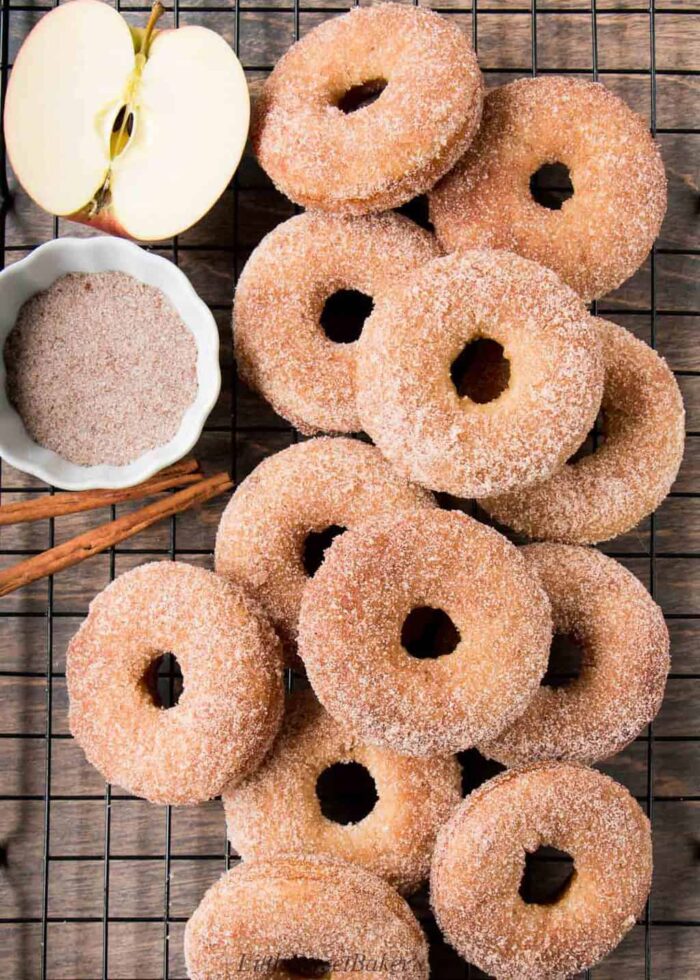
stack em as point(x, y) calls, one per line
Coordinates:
point(68, 924)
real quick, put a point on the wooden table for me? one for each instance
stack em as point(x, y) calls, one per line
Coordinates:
point(94, 883)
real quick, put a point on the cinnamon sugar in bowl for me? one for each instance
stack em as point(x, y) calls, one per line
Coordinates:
point(64, 257)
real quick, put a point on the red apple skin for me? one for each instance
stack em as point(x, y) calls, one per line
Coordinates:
point(102, 221)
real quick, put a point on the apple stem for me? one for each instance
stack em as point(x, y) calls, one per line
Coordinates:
point(157, 11)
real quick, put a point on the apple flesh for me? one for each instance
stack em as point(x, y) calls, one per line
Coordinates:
point(135, 132)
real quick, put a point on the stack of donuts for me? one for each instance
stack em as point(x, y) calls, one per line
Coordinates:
point(411, 630)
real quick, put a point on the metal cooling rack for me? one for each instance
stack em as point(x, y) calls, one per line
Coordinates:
point(44, 923)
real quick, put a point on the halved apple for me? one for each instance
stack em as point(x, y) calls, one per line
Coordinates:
point(136, 132)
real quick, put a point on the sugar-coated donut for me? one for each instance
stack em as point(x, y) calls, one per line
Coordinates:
point(480, 859)
point(610, 491)
point(603, 233)
point(277, 810)
point(233, 696)
point(264, 918)
point(304, 489)
point(354, 611)
point(476, 445)
point(281, 348)
point(624, 664)
point(323, 155)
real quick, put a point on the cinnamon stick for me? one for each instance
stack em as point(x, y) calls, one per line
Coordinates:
point(39, 508)
point(107, 535)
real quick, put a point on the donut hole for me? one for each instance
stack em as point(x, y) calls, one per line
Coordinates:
point(304, 966)
point(565, 661)
point(551, 186)
point(547, 876)
point(360, 96)
point(428, 633)
point(481, 372)
point(344, 314)
point(346, 792)
point(593, 441)
point(163, 680)
point(316, 545)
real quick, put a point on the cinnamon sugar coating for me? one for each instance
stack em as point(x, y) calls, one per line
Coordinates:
point(233, 697)
point(354, 609)
point(627, 477)
point(383, 154)
point(307, 487)
point(277, 810)
point(480, 859)
point(265, 913)
point(411, 408)
point(101, 368)
point(625, 661)
point(281, 348)
point(603, 233)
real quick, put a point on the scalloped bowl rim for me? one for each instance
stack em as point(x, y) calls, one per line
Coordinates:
point(48, 262)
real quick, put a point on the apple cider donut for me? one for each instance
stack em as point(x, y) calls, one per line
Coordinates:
point(279, 809)
point(603, 232)
point(303, 916)
point(480, 860)
point(272, 533)
point(625, 660)
point(611, 490)
point(282, 348)
point(233, 697)
point(377, 582)
point(327, 150)
point(481, 373)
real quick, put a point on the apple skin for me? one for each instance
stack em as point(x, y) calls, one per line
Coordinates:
point(102, 221)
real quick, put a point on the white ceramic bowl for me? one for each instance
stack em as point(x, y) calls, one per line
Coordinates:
point(38, 271)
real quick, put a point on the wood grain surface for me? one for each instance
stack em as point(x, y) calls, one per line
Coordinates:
point(161, 860)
